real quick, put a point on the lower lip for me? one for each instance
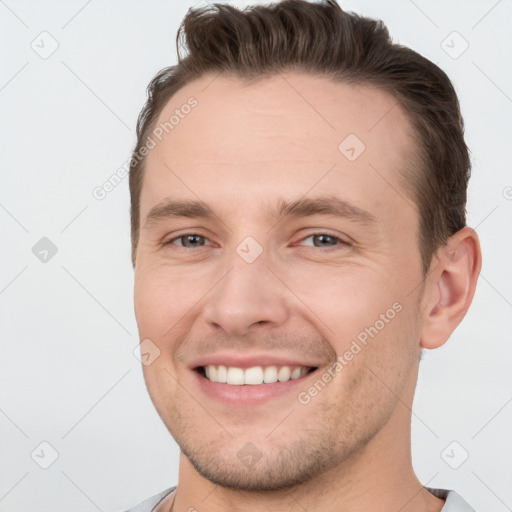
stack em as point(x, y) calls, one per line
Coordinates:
point(249, 394)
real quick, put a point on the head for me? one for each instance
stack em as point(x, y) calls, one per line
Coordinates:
point(298, 191)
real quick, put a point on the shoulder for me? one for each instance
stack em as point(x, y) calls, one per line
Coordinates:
point(453, 501)
point(150, 503)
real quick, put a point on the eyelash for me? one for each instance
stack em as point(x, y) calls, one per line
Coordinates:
point(340, 241)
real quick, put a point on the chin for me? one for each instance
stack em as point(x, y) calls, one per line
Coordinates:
point(270, 469)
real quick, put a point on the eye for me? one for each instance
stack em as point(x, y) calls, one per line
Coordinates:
point(189, 240)
point(324, 240)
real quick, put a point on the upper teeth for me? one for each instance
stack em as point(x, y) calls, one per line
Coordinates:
point(255, 375)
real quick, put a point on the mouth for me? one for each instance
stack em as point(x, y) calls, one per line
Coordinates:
point(244, 379)
point(243, 388)
point(253, 376)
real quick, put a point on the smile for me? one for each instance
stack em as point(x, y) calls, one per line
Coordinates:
point(255, 375)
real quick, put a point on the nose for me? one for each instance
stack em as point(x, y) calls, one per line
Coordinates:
point(248, 297)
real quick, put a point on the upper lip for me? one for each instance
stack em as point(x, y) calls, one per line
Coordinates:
point(248, 361)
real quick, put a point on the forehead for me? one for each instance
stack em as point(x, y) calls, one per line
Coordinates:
point(298, 106)
point(280, 136)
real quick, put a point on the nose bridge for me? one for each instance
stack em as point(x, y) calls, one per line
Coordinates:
point(248, 294)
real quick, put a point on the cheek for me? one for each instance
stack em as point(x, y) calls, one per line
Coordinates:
point(163, 297)
point(150, 301)
point(347, 300)
point(366, 317)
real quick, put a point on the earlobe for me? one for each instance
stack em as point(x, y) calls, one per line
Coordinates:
point(451, 287)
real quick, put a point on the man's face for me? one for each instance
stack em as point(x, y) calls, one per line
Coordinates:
point(307, 247)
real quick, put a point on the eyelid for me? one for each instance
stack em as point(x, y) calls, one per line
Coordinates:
point(344, 240)
point(175, 237)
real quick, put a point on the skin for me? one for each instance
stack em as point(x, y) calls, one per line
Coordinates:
point(243, 149)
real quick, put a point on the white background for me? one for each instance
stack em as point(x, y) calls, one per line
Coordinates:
point(68, 374)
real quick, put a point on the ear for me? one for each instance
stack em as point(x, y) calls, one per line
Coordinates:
point(450, 287)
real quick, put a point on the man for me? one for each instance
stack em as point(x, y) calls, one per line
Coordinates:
point(298, 198)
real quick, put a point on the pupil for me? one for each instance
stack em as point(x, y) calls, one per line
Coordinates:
point(326, 238)
point(193, 239)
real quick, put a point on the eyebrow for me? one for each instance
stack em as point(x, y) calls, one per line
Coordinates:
point(328, 205)
point(303, 207)
point(169, 209)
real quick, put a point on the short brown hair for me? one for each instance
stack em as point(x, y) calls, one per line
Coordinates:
point(322, 39)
